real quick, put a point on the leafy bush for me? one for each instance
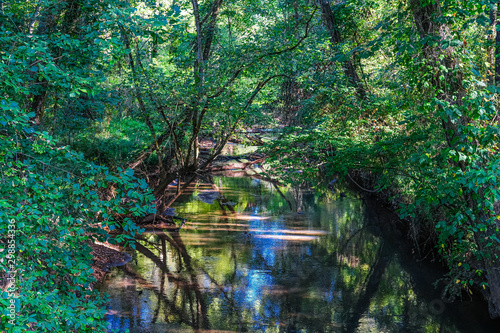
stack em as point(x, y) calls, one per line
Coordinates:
point(57, 202)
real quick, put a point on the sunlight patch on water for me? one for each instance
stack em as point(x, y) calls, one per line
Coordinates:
point(218, 224)
point(288, 237)
point(294, 232)
point(210, 229)
point(231, 216)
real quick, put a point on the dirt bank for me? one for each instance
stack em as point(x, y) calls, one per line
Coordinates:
point(106, 256)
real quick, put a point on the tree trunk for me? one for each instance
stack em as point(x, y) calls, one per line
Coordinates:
point(336, 39)
point(491, 48)
point(34, 17)
point(71, 13)
point(210, 30)
point(204, 39)
point(140, 101)
point(497, 48)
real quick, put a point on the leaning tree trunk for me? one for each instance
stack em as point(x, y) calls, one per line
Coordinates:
point(336, 39)
point(491, 47)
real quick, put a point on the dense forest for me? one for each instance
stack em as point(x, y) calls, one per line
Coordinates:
point(105, 103)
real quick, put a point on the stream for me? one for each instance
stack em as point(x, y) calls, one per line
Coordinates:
point(267, 258)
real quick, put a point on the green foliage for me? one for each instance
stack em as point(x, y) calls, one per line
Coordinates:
point(57, 202)
point(111, 141)
point(429, 136)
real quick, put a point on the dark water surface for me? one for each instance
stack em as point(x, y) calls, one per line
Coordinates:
point(250, 263)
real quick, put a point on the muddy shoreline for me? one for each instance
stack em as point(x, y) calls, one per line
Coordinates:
point(105, 258)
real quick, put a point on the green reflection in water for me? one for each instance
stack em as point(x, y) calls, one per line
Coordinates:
point(274, 259)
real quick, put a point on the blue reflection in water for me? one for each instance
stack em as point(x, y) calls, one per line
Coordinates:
point(259, 276)
point(329, 295)
point(117, 322)
point(257, 281)
point(263, 258)
point(264, 249)
point(255, 182)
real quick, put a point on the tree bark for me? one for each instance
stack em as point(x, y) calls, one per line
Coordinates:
point(491, 47)
point(497, 47)
point(210, 30)
point(34, 17)
point(71, 13)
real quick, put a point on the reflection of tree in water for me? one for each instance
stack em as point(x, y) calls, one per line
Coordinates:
point(193, 308)
point(348, 281)
point(398, 293)
point(297, 273)
point(370, 287)
point(188, 302)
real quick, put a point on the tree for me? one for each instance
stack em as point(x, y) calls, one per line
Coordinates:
point(336, 40)
point(196, 87)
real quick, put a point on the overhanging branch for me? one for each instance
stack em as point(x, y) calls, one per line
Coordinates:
point(239, 70)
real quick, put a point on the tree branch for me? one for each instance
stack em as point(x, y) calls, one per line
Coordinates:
point(291, 48)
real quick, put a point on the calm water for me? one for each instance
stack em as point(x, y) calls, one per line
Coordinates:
point(263, 258)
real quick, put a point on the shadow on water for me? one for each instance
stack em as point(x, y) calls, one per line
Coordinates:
point(267, 258)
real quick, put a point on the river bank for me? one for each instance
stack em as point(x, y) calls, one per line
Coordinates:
point(425, 245)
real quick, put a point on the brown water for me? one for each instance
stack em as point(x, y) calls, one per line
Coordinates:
point(250, 263)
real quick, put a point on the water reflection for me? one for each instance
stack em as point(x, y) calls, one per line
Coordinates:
point(259, 266)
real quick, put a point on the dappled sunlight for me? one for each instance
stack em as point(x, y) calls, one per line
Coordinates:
point(288, 237)
point(297, 232)
point(229, 217)
point(204, 237)
point(245, 217)
point(217, 224)
point(210, 229)
point(195, 243)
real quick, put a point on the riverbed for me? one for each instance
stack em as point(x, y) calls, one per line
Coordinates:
point(267, 258)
